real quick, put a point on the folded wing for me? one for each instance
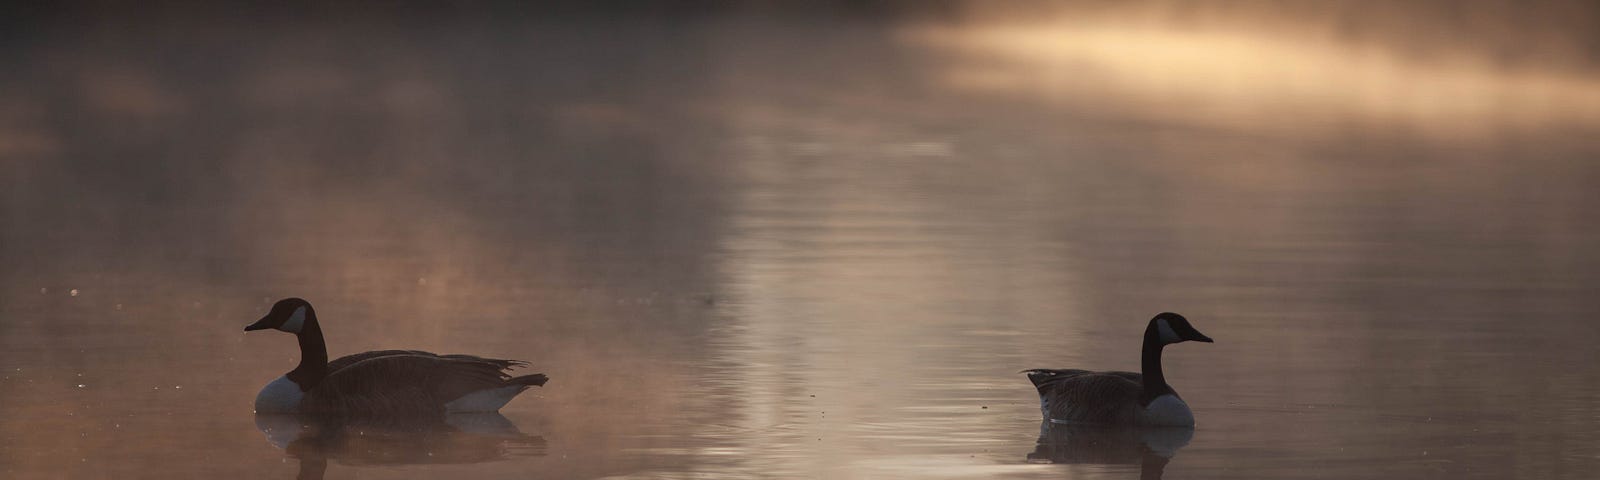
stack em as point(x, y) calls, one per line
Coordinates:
point(1085, 397)
point(404, 381)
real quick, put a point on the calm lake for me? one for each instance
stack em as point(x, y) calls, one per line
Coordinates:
point(774, 242)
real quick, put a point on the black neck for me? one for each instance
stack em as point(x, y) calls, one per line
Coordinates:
point(313, 354)
point(1155, 383)
point(1150, 467)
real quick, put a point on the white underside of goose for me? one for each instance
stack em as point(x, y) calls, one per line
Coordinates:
point(281, 430)
point(283, 396)
point(279, 396)
point(1167, 411)
point(484, 401)
point(1165, 442)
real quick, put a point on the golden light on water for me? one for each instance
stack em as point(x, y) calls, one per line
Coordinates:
point(1262, 81)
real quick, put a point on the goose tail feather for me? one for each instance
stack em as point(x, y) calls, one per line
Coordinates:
point(536, 380)
point(1045, 377)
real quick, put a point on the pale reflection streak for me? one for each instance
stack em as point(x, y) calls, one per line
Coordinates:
point(1260, 81)
point(843, 282)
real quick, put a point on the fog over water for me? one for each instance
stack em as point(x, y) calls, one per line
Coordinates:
point(818, 242)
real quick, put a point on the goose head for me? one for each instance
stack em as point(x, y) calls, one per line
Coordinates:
point(288, 315)
point(1168, 328)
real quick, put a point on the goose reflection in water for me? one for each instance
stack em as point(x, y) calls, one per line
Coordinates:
point(1149, 447)
point(457, 439)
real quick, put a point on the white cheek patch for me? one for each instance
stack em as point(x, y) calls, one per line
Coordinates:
point(295, 322)
point(1165, 330)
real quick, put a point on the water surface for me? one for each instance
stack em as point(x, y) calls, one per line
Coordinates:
point(752, 243)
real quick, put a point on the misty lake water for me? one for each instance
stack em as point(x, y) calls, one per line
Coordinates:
point(753, 244)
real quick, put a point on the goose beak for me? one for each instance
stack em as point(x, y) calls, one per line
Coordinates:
point(1202, 338)
point(261, 324)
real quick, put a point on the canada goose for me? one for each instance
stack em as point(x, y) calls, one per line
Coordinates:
point(383, 382)
point(1121, 398)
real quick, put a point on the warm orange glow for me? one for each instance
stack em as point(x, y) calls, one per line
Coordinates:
point(1263, 81)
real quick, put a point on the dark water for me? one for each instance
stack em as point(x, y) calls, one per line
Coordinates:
point(755, 242)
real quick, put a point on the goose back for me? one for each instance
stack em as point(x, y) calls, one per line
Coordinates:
point(351, 359)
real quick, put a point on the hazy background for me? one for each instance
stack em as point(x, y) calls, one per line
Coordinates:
point(810, 240)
